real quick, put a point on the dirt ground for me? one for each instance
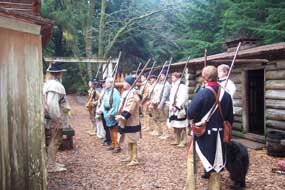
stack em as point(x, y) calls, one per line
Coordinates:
point(163, 166)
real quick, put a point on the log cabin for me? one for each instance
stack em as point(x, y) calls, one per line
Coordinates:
point(259, 74)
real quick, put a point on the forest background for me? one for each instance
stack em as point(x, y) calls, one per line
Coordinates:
point(157, 29)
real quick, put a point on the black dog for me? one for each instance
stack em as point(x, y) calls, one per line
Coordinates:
point(237, 163)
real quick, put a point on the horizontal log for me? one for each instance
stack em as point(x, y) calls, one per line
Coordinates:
point(237, 95)
point(280, 125)
point(238, 111)
point(238, 119)
point(191, 83)
point(191, 71)
point(274, 114)
point(190, 76)
point(237, 102)
point(248, 67)
point(275, 84)
point(238, 133)
point(236, 78)
point(237, 126)
point(77, 60)
point(220, 61)
point(275, 75)
point(275, 94)
point(276, 104)
point(239, 86)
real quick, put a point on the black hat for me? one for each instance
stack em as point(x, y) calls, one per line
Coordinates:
point(94, 80)
point(56, 68)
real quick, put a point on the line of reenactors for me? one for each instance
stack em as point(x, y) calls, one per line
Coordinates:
point(148, 100)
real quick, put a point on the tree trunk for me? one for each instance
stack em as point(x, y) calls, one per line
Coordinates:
point(88, 37)
point(101, 30)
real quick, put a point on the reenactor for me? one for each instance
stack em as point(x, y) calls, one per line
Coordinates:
point(56, 109)
point(223, 71)
point(157, 105)
point(110, 106)
point(208, 127)
point(177, 109)
point(144, 90)
point(91, 105)
point(129, 120)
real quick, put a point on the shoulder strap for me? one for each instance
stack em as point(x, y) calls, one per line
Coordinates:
point(217, 99)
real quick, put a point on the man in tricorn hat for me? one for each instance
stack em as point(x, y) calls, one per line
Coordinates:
point(56, 113)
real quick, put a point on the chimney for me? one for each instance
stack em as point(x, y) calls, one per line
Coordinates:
point(246, 43)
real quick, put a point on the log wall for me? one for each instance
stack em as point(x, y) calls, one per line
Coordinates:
point(275, 95)
point(22, 165)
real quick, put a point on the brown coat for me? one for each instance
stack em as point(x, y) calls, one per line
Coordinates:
point(130, 112)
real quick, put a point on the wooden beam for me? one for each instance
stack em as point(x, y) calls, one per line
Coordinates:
point(20, 26)
point(77, 60)
point(240, 61)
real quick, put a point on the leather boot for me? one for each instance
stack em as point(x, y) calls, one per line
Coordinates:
point(214, 181)
point(135, 160)
point(130, 156)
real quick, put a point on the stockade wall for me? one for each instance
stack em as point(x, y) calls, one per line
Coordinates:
point(22, 151)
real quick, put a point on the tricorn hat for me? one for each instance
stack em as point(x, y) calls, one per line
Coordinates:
point(94, 80)
point(56, 68)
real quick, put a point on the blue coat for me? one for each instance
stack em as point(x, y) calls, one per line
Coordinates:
point(110, 113)
point(211, 141)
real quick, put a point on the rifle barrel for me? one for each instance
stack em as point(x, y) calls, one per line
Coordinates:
point(233, 62)
point(152, 89)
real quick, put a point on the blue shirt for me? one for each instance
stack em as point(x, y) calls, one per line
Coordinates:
point(108, 111)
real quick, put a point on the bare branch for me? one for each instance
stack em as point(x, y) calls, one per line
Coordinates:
point(127, 24)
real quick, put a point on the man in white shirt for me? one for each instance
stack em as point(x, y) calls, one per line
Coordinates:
point(223, 71)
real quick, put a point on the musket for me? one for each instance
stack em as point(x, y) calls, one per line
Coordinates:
point(147, 78)
point(184, 70)
point(205, 58)
point(107, 65)
point(133, 85)
point(116, 66)
point(152, 89)
point(138, 69)
point(232, 64)
point(191, 163)
point(96, 77)
point(164, 82)
point(114, 75)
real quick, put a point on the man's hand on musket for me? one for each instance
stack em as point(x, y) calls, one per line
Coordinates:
point(121, 120)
